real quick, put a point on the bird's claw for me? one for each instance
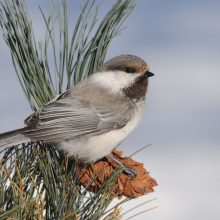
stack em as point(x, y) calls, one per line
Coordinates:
point(131, 171)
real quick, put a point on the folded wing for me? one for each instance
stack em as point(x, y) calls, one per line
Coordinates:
point(68, 118)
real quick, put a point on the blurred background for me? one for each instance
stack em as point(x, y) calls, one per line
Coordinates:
point(180, 40)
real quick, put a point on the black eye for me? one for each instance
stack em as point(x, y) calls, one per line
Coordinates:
point(128, 70)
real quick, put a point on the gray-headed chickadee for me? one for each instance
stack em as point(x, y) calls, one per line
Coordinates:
point(93, 117)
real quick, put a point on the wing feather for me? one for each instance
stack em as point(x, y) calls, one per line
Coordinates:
point(68, 118)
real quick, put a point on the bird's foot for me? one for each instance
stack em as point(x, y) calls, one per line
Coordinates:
point(127, 170)
point(130, 171)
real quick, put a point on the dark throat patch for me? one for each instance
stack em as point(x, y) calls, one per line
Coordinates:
point(138, 89)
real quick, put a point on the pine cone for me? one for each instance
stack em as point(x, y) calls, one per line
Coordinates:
point(125, 186)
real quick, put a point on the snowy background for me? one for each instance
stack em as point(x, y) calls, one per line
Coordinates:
point(180, 40)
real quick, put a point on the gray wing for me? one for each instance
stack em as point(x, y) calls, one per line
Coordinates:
point(69, 118)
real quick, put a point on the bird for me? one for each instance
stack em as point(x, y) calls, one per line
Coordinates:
point(95, 116)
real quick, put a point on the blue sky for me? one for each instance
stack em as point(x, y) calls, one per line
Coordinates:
point(180, 40)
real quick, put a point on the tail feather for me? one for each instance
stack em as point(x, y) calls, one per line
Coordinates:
point(12, 138)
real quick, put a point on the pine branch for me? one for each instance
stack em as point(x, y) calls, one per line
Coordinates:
point(39, 182)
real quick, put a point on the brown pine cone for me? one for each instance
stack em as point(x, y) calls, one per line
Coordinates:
point(125, 186)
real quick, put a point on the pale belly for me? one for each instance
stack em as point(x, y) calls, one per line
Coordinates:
point(90, 149)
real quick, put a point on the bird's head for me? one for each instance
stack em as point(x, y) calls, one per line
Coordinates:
point(125, 74)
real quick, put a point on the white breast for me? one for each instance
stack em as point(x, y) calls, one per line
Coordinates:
point(107, 142)
point(93, 148)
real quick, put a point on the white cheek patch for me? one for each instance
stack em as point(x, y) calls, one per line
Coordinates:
point(115, 81)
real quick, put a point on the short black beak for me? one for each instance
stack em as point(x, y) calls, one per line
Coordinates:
point(148, 74)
